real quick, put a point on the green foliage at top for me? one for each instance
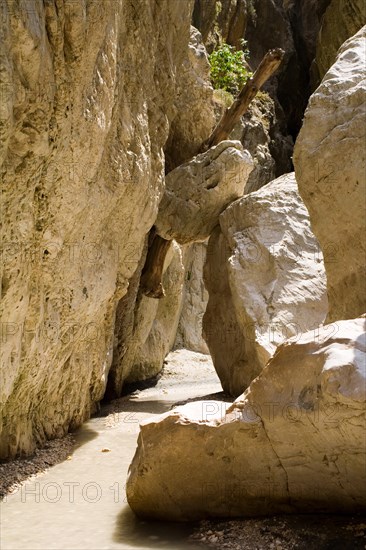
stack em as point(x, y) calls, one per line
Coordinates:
point(228, 68)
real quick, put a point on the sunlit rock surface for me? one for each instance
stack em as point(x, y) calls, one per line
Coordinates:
point(266, 281)
point(198, 191)
point(293, 442)
point(330, 165)
point(88, 91)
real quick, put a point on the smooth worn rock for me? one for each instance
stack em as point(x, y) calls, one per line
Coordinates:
point(294, 442)
point(198, 191)
point(221, 331)
point(156, 322)
point(266, 281)
point(145, 329)
point(194, 302)
point(330, 166)
point(86, 100)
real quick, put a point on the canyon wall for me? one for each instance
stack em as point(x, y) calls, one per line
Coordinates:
point(88, 93)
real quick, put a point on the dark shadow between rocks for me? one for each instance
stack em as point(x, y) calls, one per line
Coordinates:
point(152, 406)
point(13, 472)
point(143, 533)
point(219, 396)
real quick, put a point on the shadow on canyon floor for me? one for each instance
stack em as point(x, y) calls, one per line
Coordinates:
point(152, 534)
point(286, 532)
point(14, 472)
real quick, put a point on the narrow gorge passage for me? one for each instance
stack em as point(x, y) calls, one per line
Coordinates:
point(182, 305)
point(81, 502)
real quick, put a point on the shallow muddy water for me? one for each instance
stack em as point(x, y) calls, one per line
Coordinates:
point(80, 503)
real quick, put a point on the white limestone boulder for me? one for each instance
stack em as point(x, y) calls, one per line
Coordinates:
point(275, 281)
point(294, 442)
point(330, 166)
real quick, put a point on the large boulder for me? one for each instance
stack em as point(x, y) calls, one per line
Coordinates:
point(198, 191)
point(266, 281)
point(330, 165)
point(83, 122)
point(294, 442)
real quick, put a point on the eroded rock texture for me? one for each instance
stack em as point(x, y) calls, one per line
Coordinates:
point(198, 191)
point(193, 120)
point(88, 91)
point(266, 281)
point(220, 20)
point(341, 21)
point(194, 116)
point(294, 442)
point(194, 302)
point(330, 168)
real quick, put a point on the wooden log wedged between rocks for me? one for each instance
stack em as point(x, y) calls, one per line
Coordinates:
point(151, 280)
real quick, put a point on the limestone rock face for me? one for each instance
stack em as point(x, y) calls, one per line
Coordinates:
point(194, 303)
point(198, 191)
point(136, 329)
point(224, 20)
point(83, 122)
point(221, 330)
point(260, 133)
point(294, 442)
point(341, 21)
point(330, 168)
point(194, 117)
point(156, 322)
point(267, 264)
point(145, 329)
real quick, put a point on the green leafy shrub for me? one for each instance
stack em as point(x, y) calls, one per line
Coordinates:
point(228, 68)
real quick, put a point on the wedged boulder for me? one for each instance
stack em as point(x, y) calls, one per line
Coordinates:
point(294, 442)
point(330, 166)
point(198, 191)
point(266, 281)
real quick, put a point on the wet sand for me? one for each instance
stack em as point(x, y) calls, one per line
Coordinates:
point(80, 503)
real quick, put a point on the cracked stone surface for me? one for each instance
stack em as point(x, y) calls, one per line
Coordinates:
point(294, 441)
point(266, 281)
point(330, 167)
point(341, 21)
point(198, 191)
point(83, 122)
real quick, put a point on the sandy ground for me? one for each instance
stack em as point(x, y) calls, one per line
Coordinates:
point(79, 502)
point(71, 495)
